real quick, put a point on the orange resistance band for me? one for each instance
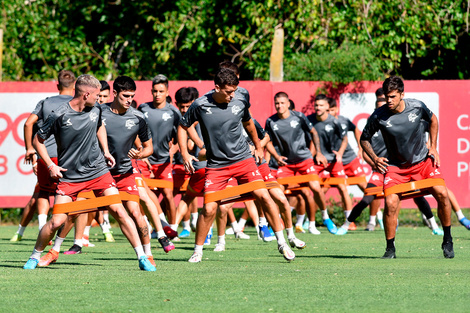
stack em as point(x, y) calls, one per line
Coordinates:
point(158, 183)
point(233, 194)
point(83, 206)
point(414, 188)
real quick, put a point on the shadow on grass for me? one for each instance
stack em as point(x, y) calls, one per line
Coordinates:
point(340, 256)
point(55, 266)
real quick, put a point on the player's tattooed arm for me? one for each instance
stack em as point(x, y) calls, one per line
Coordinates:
point(381, 164)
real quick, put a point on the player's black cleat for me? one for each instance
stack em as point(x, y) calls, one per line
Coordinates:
point(389, 254)
point(75, 249)
point(448, 249)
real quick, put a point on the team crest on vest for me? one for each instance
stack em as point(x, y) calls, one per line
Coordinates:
point(236, 109)
point(130, 124)
point(93, 116)
point(294, 124)
point(412, 117)
point(166, 116)
point(328, 128)
point(344, 126)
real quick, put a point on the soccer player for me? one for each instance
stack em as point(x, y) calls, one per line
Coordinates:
point(163, 119)
point(222, 114)
point(287, 130)
point(105, 92)
point(79, 132)
point(409, 158)
point(333, 141)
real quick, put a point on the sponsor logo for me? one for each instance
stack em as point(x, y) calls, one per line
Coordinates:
point(294, 124)
point(169, 175)
point(68, 123)
point(208, 111)
point(412, 117)
point(104, 122)
point(375, 177)
point(344, 126)
point(93, 116)
point(388, 124)
point(236, 109)
point(130, 124)
point(166, 116)
point(275, 127)
point(387, 180)
point(207, 183)
point(328, 128)
point(146, 114)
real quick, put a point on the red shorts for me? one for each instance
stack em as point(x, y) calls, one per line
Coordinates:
point(98, 185)
point(126, 183)
point(163, 171)
point(354, 168)
point(179, 176)
point(143, 168)
point(265, 171)
point(400, 175)
point(244, 172)
point(377, 179)
point(46, 182)
point(333, 169)
point(302, 168)
point(196, 182)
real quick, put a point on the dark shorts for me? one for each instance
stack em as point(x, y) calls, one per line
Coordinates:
point(163, 171)
point(244, 171)
point(302, 168)
point(46, 182)
point(97, 185)
point(404, 174)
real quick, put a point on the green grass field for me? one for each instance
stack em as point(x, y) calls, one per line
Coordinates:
point(333, 273)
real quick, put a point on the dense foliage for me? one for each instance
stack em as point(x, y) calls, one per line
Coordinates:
point(185, 39)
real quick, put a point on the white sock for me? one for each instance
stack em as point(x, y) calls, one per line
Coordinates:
point(347, 213)
point(161, 233)
point(290, 233)
point(36, 254)
point(174, 227)
point(221, 240)
point(263, 221)
point(311, 225)
point(104, 228)
point(324, 214)
point(460, 215)
point(106, 218)
point(380, 215)
point(87, 231)
point(186, 225)
point(57, 243)
point(163, 220)
point(198, 248)
point(434, 225)
point(372, 219)
point(292, 208)
point(194, 217)
point(148, 224)
point(280, 237)
point(42, 220)
point(78, 242)
point(241, 223)
point(139, 250)
point(300, 219)
point(236, 228)
point(346, 225)
point(147, 249)
point(20, 230)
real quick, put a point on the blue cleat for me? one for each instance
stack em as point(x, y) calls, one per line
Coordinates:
point(271, 231)
point(330, 225)
point(208, 238)
point(341, 231)
point(145, 265)
point(465, 222)
point(265, 233)
point(184, 233)
point(306, 224)
point(31, 264)
point(438, 232)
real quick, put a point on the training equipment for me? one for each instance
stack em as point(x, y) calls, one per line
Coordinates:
point(51, 257)
point(145, 265)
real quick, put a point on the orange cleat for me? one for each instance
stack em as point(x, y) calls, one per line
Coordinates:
point(151, 260)
point(51, 257)
point(352, 226)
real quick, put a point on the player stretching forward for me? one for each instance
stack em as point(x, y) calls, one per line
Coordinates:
point(79, 133)
point(287, 130)
point(222, 114)
point(400, 122)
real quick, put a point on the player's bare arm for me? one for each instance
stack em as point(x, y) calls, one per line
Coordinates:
point(188, 159)
point(28, 138)
point(320, 158)
point(381, 164)
point(342, 148)
point(281, 160)
point(433, 129)
point(357, 135)
point(251, 131)
point(54, 170)
point(103, 140)
point(143, 151)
